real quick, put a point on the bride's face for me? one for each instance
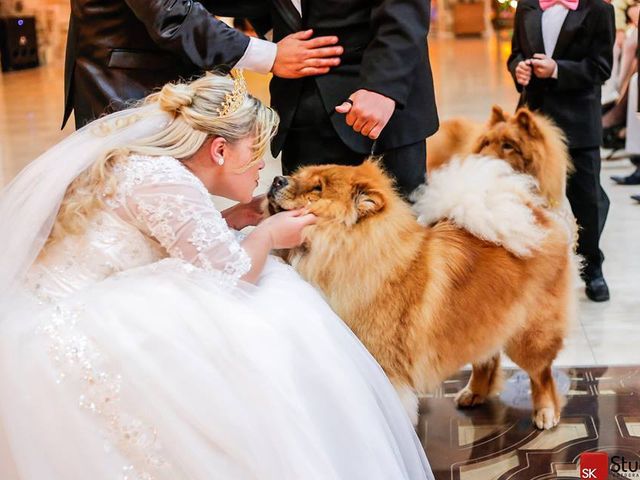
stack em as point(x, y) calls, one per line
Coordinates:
point(237, 177)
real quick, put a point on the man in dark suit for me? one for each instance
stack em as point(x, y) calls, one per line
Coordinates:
point(382, 90)
point(562, 53)
point(121, 50)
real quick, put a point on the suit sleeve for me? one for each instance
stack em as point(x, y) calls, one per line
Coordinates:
point(595, 69)
point(516, 50)
point(237, 8)
point(257, 12)
point(398, 44)
point(188, 29)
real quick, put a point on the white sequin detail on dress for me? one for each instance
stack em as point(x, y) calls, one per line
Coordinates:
point(75, 356)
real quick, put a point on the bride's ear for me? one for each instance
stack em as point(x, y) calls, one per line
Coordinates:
point(216, 150)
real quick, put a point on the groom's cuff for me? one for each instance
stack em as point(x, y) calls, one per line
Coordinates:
point(259, 56)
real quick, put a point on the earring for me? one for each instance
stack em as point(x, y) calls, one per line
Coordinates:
point(220, 160)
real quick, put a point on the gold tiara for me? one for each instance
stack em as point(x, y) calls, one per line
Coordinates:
point(234, 99)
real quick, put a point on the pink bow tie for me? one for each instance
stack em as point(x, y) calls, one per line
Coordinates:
point(570, 4)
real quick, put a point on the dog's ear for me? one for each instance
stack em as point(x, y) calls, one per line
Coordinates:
point(526, 122)
point(497, 116)
point(367, 200)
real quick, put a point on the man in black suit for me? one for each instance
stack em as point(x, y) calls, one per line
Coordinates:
point(562, 53)
point(121, 50)
point(382, 90)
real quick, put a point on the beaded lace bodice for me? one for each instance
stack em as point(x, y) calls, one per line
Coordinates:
point(159, 209)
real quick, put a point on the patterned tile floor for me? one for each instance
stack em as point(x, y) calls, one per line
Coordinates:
point(497, 441)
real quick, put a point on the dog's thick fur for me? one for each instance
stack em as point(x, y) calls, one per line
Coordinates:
point(428, 299)
point(529, 141)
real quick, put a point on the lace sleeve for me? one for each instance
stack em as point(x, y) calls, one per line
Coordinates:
point(168, 203)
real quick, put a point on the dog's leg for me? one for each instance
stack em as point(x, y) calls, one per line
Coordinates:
point(484, 381)
point(537, 363)
point(409, 400)
point(546, 402)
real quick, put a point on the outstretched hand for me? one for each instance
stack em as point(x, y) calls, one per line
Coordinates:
point(367, 112)
point(299, 55)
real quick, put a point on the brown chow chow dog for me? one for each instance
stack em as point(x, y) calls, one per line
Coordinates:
point(485, 268)
point(529, 141)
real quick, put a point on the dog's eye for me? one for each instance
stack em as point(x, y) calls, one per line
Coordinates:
point(317, 188)
point(507, 146)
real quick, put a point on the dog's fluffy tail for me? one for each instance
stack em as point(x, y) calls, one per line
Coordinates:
point(486, 197)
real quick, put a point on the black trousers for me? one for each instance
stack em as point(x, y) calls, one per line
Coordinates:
point(312, 140)
point(590, 205)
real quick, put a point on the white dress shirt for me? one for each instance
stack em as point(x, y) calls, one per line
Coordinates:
point(259, 56)
point(552, 20)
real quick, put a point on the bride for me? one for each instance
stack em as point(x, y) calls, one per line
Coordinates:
point(142, 338)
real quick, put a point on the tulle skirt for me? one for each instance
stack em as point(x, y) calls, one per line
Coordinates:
point(166, 372)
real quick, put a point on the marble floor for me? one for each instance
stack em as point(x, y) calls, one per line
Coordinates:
point(497, 441)
point(470, 76)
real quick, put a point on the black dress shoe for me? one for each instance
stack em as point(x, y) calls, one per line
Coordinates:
point(636, 197)
point(633, 179)
point(597, 289)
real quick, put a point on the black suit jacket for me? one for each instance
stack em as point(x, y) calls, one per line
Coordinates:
point(386, 51)
point(584, 54)
point(121, 50)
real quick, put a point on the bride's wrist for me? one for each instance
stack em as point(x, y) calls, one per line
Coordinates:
point(266, 235)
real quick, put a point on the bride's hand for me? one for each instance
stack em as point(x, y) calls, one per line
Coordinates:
point(245, 215)
point(280, 232)
point(285, 228)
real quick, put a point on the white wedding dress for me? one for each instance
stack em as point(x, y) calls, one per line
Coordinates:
point(135, 352)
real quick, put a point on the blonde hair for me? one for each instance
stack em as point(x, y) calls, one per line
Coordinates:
point(196, 117)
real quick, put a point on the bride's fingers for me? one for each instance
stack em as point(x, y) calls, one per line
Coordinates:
point(298, 212)
point(308, 219)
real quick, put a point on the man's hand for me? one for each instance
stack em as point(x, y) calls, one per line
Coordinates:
point(367, 112)
point(543, 66)
point(245, 215)
point(299, 55)
point(523, 73)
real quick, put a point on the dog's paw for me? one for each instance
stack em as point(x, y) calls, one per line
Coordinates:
point(467, 399)
point(546, 418)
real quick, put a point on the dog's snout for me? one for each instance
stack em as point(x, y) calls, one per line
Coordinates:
point(279, 183)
